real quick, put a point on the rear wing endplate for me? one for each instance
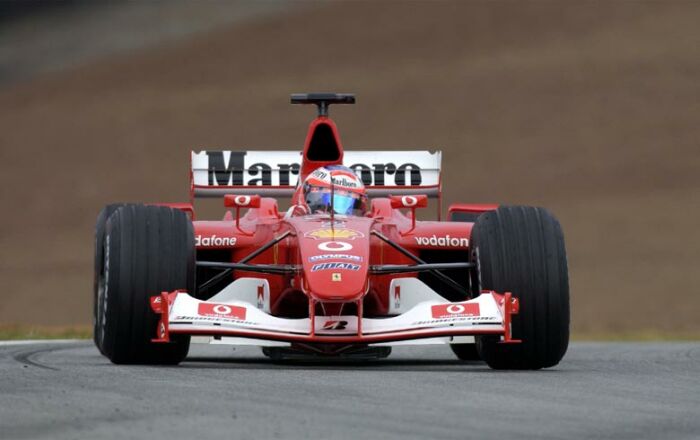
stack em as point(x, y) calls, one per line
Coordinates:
point(276, 173)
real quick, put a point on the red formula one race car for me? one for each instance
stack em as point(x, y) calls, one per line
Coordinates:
point(346, 271)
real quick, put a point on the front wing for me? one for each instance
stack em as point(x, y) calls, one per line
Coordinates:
point(488, 314)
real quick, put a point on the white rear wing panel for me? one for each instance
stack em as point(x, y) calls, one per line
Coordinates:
point(276, 173)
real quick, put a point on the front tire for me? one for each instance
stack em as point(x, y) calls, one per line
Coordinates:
point(465, 352)
point(98, 263)
point(521, 249)
point(146, 250)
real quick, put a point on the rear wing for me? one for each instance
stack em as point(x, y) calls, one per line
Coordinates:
point(276, 173)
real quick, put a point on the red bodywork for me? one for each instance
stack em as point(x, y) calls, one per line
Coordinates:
point(309, 232)
point(260, 225)
point(327, 286)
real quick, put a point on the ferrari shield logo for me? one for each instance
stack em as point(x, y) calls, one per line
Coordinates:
point(325, 233)
point(336, 276)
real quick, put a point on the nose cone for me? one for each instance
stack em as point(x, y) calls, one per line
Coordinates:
point(335, 257)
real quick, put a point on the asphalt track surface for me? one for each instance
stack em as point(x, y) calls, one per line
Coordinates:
point(618, 391)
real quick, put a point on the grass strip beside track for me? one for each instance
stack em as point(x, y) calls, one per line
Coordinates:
point(18, 331)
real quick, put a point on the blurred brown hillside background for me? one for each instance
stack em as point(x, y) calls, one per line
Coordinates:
point(591, 109)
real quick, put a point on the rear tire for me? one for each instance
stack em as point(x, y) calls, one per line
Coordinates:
point(521, 250)
point(146, 250)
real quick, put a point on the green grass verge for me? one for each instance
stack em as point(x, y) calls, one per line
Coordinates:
point(9, 332)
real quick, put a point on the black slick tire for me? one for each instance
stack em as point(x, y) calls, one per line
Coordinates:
point(146, 250)
point(521, 249)
point(465, 352)
point(98, 266)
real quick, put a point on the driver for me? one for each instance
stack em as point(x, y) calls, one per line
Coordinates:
point(346, 195)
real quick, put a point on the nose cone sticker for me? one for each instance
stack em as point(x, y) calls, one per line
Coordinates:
point(326, 257)
point(336, 277)
point(333, 246)
point(334, 265)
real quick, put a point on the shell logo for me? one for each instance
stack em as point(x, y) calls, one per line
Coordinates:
point(346, 234)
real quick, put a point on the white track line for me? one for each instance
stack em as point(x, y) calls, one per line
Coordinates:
point(40, 341)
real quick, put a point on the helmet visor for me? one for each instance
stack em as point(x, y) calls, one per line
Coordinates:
point(343, 203)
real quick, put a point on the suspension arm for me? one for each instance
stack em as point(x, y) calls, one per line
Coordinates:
point(215, 279)
point(447, 280)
